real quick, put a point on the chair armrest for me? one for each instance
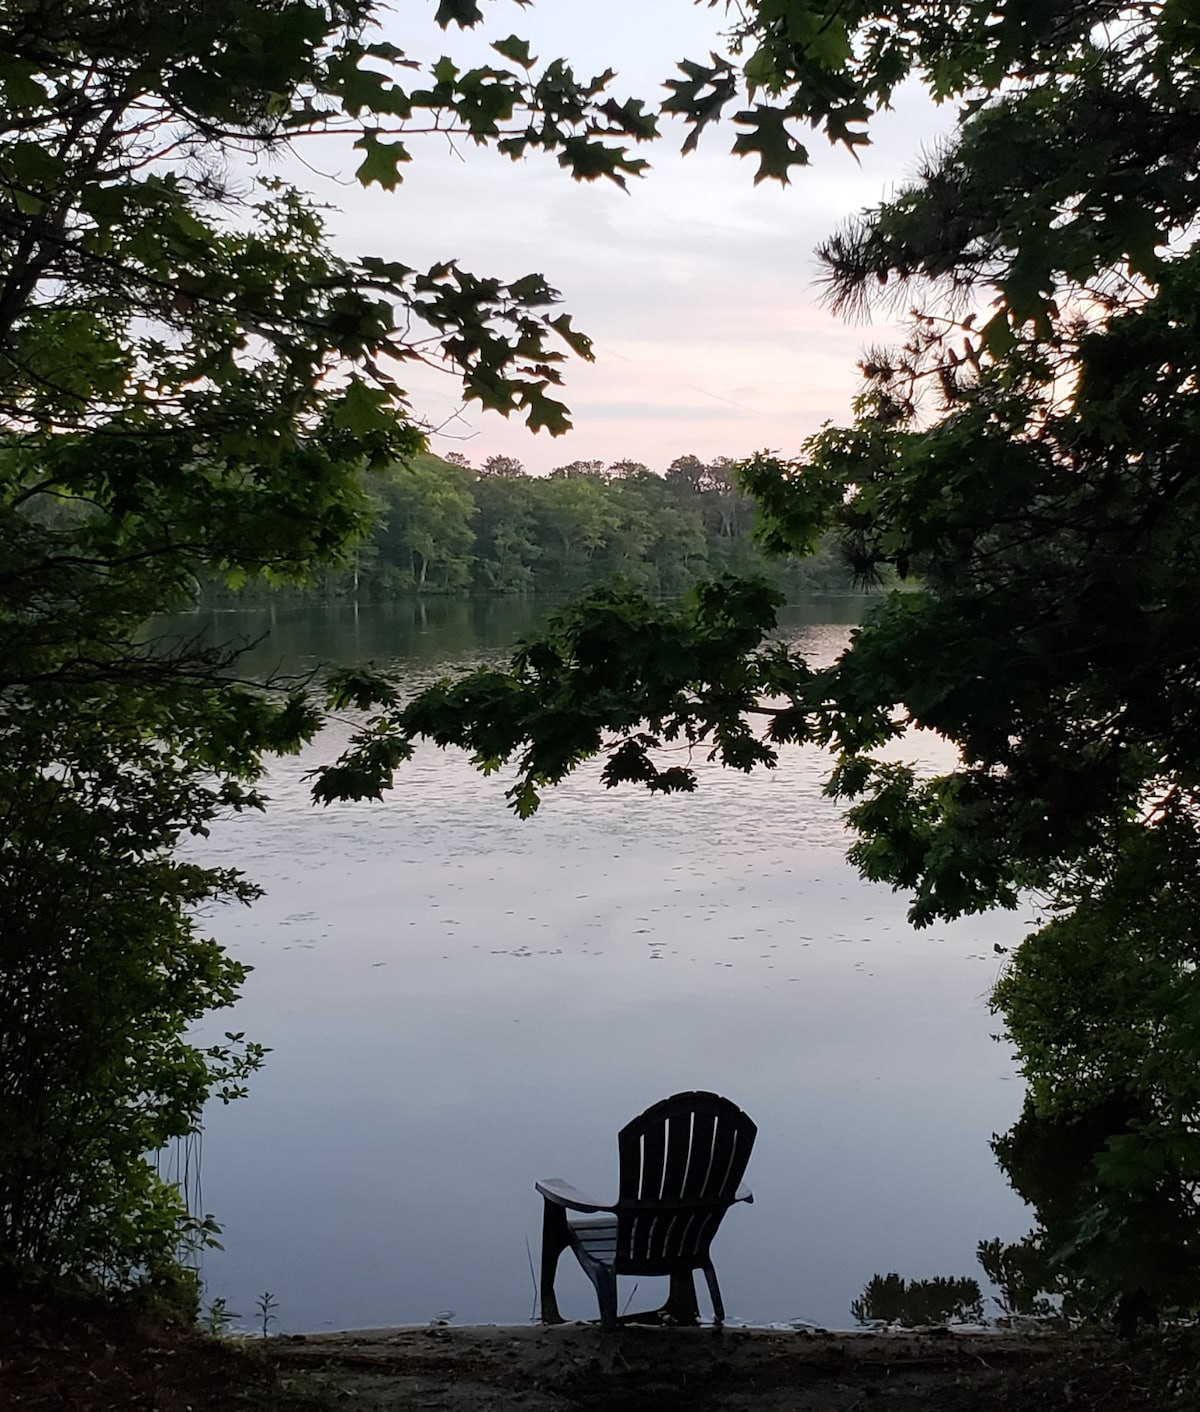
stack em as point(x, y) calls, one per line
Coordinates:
point(744, 1194)
point(562, 1193)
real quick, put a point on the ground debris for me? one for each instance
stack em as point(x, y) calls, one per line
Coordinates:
point(71, 1355)
point(577, 1368)
point(65, 1352)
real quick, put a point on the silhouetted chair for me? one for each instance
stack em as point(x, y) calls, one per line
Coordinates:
point(682, 1163)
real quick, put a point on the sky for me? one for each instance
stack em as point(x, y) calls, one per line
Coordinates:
point(697, 288)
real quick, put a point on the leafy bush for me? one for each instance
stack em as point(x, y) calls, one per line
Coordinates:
point(102, 975)
point(889, 1299)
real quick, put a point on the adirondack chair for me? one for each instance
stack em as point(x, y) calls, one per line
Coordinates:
point(681, 1162)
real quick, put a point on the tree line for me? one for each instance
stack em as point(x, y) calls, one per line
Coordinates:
point(443, 526)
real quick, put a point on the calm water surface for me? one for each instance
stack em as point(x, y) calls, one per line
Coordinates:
point(459, 1003)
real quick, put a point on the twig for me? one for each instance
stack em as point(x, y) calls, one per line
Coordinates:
point(533, 1277)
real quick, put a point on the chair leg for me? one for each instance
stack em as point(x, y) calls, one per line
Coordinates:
point(554, 1242)
point(606, 1292)
point(681, 1306)
point(714, 1290)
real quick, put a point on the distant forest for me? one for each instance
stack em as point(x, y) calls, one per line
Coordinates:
point(447, 527)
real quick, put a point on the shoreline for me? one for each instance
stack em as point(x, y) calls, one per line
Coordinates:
point(399, 1331)
point(75, 1352)
point(561, 1368)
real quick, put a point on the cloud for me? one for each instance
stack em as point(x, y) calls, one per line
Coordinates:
point(695, 285)
point(658, 411)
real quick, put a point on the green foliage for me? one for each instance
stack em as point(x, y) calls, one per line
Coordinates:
point(426, 534)
point(442, 529)
point(889, 1299)
point(1047, 502)
point(102, 974)
point(1021, 1271)
point(1113, 1186)
point(194, 384)
point(216, 1319)
point(1102, 1006)
point(265, 1306)
point(613, 673)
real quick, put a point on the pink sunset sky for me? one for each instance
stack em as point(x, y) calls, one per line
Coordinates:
point(697, 287)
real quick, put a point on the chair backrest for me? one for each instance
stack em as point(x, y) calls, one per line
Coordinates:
point(682, 1161)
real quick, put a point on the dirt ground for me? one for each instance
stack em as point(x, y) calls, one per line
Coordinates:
point(575, 1367)
point(78, 1357)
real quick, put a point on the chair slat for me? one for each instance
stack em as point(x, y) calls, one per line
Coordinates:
point(598, 1237)
point(633, 1237)
point(706, 1228)
point(700, 1155)
point(654, 1153)
point(679, 1145)
point(653, 1239)
point(631, 1150)
point(686, 1231)
point(721, 1162)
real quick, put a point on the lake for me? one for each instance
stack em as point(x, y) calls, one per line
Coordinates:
point(459, 1003)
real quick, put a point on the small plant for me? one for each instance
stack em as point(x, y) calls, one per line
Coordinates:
point(266, 1304)
point(172, 1292)
point(217, 1318)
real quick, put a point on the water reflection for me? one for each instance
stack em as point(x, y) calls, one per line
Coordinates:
point(290, 638)
point(459, 1003)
